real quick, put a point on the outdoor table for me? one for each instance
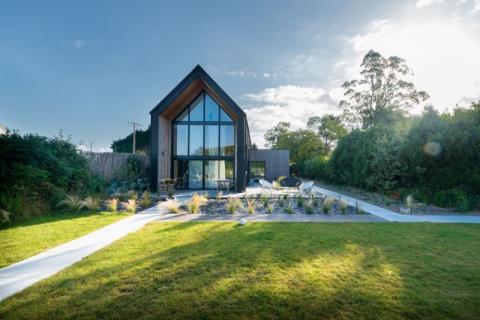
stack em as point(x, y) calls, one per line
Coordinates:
point(223, 182)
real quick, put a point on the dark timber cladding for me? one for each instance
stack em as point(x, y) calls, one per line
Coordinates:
point(276, 162)
point(167, 118)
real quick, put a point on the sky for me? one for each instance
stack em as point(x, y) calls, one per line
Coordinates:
point(90, 67)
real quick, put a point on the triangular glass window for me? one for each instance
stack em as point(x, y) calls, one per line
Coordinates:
point(211, 109)
point(196, 109)
point(224, 116)
point(183, 116)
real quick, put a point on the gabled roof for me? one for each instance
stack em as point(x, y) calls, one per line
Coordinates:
point(197, 73)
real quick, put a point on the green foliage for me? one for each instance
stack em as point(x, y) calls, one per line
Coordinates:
point(90, 203)
point(142, 144)
point(423, 155)
point(382, 93)
point(146, 200)
point(233, 204)
point(37, 173)
point(112, 205)
point(329, 127)
point(71, 203)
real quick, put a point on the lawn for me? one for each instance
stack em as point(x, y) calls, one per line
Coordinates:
point(268, 270)
point(25, 239)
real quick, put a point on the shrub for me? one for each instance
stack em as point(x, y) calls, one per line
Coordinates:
point(300, 201)
point(112, 205)
point(451, 198)
point(90, 203)
point(343, 204)
point(265, 200)
point(131, 205)
point(196, 202)
point(309, 209)
point(146, 200)
point(315, 201)
point(269, 209)
point(288, 210)
point(251, 206)
point(173, 206)
point(327, 204)
point(71, 203)
point(37, 172)
point(134, 168)
point(233, 204)
point(4, 216)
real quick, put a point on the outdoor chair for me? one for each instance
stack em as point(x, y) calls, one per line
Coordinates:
point(265, 184)
point(306, 188)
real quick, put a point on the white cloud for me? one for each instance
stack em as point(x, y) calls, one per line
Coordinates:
point(79, 43)
point(443, 54)
point(294, 104)
point(426, 3)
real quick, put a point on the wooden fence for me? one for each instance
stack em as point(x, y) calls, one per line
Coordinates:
point(109, 164)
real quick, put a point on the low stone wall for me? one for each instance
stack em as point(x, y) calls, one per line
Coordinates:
point(107, 164)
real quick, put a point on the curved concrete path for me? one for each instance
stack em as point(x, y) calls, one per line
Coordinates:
point(392, 216)
point(23, 274)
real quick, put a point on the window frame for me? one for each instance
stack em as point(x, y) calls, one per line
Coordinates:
point(204, 123)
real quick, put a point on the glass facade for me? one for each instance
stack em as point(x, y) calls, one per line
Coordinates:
point(203, 145)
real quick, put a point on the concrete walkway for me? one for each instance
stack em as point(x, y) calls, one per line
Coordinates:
point(23, 274)
point(392, 216)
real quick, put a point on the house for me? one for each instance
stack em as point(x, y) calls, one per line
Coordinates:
point(200, 136)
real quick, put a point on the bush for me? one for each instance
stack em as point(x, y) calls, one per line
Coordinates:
point(71, 203)
point(196, 202)
point(454, 198)
point(146, 200)
point(90, 203)
point(316, 168)
point(112, 205)
point(37, 173)
point(233, 204)
point(131, 205)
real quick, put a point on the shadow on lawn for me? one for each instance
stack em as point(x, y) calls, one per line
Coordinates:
point(221, 270)
point(48, 218)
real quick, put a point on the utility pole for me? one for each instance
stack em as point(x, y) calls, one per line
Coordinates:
point(134, 125)
point(91, 146)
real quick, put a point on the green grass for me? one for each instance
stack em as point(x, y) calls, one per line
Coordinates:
point(268, 270)
point(27, 238)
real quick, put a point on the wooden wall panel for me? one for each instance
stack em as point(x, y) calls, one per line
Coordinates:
point(276, 162)
point(164, 147)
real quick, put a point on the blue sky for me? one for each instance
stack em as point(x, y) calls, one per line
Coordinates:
point(89, 67)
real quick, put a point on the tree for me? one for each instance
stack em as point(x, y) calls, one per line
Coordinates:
point(275, 136)
point(125, 144)
point(329, 127)
point(382, 89)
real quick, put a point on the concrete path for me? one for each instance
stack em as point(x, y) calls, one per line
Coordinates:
point(271, 217)
point(392, 216)
point(23, 274)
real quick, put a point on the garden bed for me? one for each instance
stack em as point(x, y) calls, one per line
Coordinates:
point(266, 204)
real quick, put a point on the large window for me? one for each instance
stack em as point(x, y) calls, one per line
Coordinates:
point(203, 144)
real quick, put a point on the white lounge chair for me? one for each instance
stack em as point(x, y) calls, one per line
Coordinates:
point(306, 188)
point(266, 185)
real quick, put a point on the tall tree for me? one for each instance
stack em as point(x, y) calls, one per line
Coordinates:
point(329, 127)
point(382, 89)
point(275, 137)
